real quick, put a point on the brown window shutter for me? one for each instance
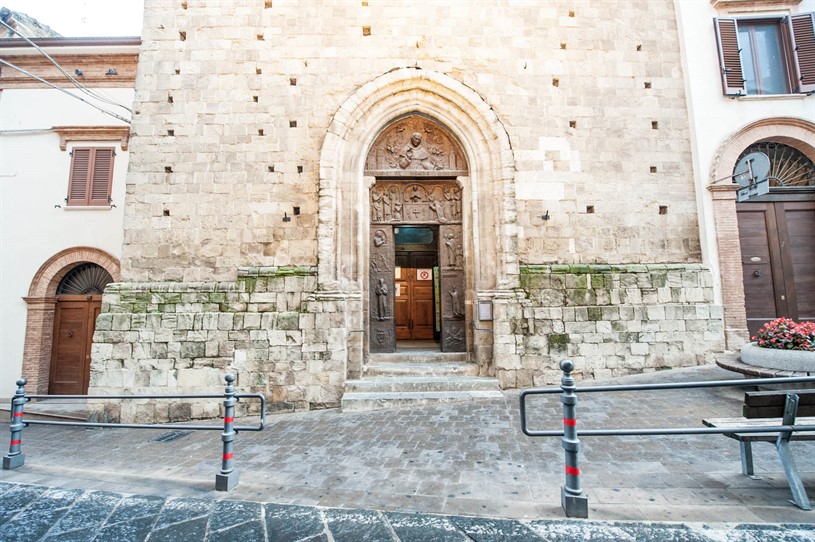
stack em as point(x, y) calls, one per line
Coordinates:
point(802, 30)
point(78, 180)
point(102, 177)
point(727, 38)
point(91, 176)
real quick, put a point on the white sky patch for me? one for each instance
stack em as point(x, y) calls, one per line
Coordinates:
point(84, 18)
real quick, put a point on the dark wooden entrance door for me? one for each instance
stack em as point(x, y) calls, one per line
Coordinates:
point(414, 296)
point(74, 323)
point(778, 260)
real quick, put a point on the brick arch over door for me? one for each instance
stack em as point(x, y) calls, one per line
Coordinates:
point(41, 302)
point(795, 132)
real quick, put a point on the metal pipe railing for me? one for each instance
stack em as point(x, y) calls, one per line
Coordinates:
point(227, 477)
point(573, 500)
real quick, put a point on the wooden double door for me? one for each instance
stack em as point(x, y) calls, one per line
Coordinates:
point(74, 324)
point(778, 260)
point(414, 298)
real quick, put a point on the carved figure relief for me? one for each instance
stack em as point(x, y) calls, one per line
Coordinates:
point(455, 303)
point(431, 202)
point(453, 253)
point(418, 146)
point(382, 300)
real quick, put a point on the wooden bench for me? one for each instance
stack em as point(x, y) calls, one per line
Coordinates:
point(768, 409)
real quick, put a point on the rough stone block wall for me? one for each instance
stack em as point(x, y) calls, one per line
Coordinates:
point(234, 100)
point(611, 320)
point(182, 338)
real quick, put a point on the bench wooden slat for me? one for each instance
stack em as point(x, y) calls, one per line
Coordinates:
point(771, 398)
point(724, 423)
point(770, 404)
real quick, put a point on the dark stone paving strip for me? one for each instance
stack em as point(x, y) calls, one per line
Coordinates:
point(51, 515)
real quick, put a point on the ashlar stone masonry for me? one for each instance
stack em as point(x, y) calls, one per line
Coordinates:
point(248, 218)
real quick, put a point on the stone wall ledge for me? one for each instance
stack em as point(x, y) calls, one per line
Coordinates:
point(181, 287)
point(271, 272)
point(577, 269)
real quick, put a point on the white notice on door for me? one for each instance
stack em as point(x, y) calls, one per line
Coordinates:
point(424, 274)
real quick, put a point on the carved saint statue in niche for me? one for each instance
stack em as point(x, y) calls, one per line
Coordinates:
point(415, 156)
point(382, 299)
point(455, 303)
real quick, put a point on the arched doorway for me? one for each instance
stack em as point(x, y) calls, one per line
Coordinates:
point(488, 201)
point(417, 286)
point(79, 302)
point(50, 285)
point(733, 226)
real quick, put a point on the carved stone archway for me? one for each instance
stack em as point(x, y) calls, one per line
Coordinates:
point(41, 301)
point(344, 225)
point(798, 133)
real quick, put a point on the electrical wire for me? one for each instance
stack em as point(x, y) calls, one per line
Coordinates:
point(70, 77)
point(80, 98)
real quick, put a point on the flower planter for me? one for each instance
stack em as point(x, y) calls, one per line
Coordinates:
point(782, 360)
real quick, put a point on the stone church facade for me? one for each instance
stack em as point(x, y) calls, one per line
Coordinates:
point(539, 152)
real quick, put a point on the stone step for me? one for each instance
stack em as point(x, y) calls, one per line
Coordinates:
point(421, 384)
point(359, 401)
point(409, 356)
point(416, 369)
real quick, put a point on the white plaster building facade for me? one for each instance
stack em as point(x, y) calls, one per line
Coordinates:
point(53, 222)
point(760, 251)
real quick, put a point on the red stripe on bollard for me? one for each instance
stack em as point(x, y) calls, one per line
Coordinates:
point(570, 422)
point(18, 414)
point(573, 471)
point(230, 455)
point(229, 420)
point(16, 442)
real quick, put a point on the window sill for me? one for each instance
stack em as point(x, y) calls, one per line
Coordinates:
point(761, 97)
point(87, 208)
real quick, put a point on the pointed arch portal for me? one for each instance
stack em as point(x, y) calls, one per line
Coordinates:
point(484, 175)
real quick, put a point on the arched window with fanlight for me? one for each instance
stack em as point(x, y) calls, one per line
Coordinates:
point(777, 236)
point(789, 167)
point(79, 302)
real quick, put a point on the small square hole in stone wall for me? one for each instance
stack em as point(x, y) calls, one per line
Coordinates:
point(293, 81)
point(182, 36)
point(168, 169)
point(572, 124)
point(562, 45)
point(292, 124)
point(258, 71)
point(299, 169)
point(639, 47)
point(590, 209)
point(183, 5)
point(366, 30)
point(555, 82)
point(170, 132)
point(260, 132)
point(653, 169)
point(654, 125)
point(260, 37)
point(663, 209)
point(254, 98)
point(647, 84)
point(267, 4)
point(178, 71)
point(271, 169)
point(166, 212)
point(169, 98)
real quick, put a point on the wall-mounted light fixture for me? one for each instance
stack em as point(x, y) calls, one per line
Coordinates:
point(286, 218)
point(546, 215)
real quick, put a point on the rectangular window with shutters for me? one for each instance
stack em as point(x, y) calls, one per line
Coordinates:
point(768, 55)
point(91, 176)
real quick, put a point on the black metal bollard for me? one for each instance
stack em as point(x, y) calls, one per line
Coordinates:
point(15, 457)
point(575, 503)
point(228, 477)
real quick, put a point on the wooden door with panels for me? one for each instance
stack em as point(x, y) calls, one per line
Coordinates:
point(414, 295)
point(74, 322)
point(778, 260)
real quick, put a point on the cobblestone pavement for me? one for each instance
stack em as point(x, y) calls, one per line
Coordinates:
point(465, 459)
point(35, 513)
